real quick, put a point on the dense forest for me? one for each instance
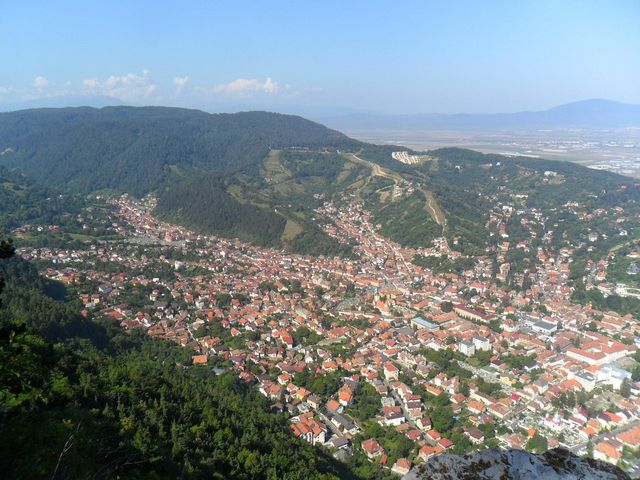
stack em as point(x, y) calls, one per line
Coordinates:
point(138, 150)
point(203, 203)
point(112, 404)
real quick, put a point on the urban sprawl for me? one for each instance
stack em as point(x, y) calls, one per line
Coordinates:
point(371, 354)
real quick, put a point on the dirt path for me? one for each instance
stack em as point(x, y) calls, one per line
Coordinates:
point(431, 206)
point(434, 209)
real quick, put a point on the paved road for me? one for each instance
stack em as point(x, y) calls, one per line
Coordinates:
point(598, 438)
point(401, 403)
point(328, 423)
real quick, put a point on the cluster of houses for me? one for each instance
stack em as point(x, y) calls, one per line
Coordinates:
point(375, 316)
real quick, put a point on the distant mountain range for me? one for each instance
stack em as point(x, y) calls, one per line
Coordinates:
point(590, 114)
point(595, 113)
point(63, 101)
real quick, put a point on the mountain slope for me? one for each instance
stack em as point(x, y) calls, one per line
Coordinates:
point(138, 149)
point(24, 201)
point(189, 158)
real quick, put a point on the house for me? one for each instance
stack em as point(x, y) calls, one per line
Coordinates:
point(372, 448)
point(334, 406)
point(414, 409)
point(609, 451)
point(394, 419)
point(302, 393)
point(309, 429)
point(401, 467)
point(474, 434)
point(586, 379)
point(497, 410)
point(433, 435)
point(445, 443)
point(428, 451)
point(475, 407)
point(345, 395)
point(314, 401)
point(424, 423)
point(482, 343)
point(609, 419)
point(200, 359)
point(631, 438)
point(344, 424)
point(390, 371)
point(338, 442)
point(270, 390)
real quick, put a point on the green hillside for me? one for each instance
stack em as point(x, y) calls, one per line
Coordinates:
point(468, 184)
point(189, 158)
point(259, 176)
point(25, 201)
point(138, 149)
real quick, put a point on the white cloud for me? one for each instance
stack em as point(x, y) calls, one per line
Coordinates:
point(40, 82)
point(180, 83)
point(244, 86)
point(127, 87)
point(91, 83)
point(4, 91)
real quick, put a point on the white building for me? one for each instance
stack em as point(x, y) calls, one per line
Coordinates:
point(467, 348)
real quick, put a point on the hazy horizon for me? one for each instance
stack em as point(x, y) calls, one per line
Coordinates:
point(317, 112)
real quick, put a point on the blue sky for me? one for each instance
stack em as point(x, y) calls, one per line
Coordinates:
point(384, 56)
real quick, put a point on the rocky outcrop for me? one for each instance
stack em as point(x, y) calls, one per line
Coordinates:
point(495, 463)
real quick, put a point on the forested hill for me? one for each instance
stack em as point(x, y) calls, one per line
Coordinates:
point(139, 149)
point(215, 173)
point(261, 177)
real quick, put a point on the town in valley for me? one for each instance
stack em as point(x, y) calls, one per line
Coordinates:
point(373, 355)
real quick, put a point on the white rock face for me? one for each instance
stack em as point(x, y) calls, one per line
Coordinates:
point(494, 463)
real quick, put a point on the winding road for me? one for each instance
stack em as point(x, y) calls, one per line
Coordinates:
point(378, 171)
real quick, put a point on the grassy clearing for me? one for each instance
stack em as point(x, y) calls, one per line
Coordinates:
point(273, 169)
point(291, 229)
point(346, 171)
